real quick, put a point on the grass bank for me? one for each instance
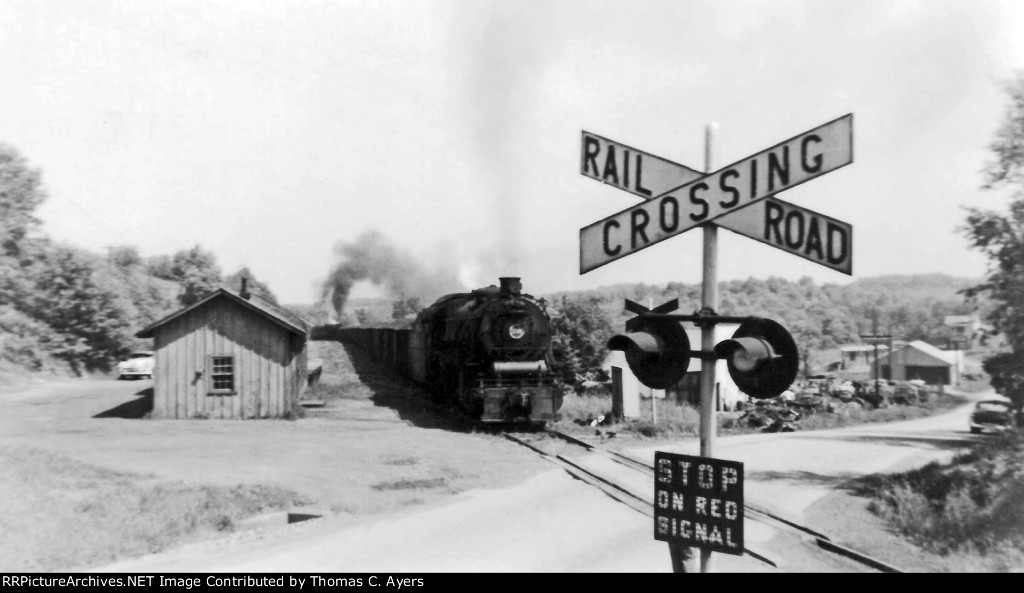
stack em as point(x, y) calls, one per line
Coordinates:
point(970, 510)
point(70, 514)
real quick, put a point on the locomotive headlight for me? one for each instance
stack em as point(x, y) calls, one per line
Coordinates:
point(516, 331)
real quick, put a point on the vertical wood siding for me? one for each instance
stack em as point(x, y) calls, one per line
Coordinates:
point(270, 374)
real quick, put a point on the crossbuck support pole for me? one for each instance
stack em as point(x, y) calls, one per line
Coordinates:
point(709, 302)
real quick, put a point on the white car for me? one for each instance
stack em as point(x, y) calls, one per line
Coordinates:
point(138, 365)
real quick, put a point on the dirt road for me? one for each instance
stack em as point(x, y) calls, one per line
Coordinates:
point(551, 523)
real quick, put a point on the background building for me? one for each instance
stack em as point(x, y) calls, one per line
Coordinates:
point(920, 360)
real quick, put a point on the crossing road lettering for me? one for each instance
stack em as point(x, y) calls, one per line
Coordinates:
point(816, 237)
point(705, 199)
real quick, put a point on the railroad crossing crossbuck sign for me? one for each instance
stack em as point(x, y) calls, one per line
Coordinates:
point(739, 197)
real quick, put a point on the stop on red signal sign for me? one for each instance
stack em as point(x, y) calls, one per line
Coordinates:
point(698, 502)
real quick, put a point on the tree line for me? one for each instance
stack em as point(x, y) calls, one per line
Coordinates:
point(819, 317)
point(64, 309)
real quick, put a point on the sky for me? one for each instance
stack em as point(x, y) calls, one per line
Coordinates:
point(271, 132)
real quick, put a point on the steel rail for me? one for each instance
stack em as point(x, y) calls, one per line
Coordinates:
point(609, 487)
point(823, 541)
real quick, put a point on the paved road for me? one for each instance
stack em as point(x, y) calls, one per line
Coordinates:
point(553, 523)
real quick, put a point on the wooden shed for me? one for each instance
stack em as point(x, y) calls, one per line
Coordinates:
point(229, 355)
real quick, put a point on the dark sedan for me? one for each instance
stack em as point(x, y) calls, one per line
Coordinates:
point(992, 415)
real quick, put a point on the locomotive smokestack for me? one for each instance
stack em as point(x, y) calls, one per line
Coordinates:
point(510, 285)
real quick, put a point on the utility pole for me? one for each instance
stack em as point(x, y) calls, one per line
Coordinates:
point(654, 400)
point(874, 336)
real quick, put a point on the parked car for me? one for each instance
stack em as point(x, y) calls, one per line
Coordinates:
point(992, 415)
point(138, 365)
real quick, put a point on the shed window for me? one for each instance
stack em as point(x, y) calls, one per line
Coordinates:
point(222, 374)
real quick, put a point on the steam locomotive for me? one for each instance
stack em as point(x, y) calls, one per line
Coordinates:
point(487, 351)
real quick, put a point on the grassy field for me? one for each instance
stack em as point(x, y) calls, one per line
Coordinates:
point(83, 486)
point(60, 513)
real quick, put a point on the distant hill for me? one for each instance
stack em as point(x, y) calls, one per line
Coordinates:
point(922, 286)
point(913, 306)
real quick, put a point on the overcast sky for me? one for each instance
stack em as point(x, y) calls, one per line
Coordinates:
point(268, 131)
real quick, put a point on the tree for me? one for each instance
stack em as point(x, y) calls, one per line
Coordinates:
point(1000, 236)
point(21, 192)
point(403, 307)
point(197, 272)
point(234, 282)
point(90, 318)
point(899, 317)
point(125, 257)
point(365, 317)
point(580, 336)
point(161, 266)
point(1007, 372)
point(810, 338)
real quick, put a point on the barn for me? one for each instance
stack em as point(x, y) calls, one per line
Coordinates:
point(229, 355)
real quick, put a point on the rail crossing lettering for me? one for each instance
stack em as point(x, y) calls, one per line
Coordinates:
point(790, 163)
point(632, 170)
point(698, 501)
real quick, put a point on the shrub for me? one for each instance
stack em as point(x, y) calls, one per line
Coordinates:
point(971, 505)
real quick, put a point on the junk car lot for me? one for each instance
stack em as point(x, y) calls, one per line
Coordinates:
point(88, 480)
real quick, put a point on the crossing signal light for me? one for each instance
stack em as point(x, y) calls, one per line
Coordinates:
point(762, 357)
point(657, 351)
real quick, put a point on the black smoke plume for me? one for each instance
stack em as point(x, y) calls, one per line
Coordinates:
point(372, 257)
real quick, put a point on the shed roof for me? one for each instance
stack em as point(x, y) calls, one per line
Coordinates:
point(918, 353)
point(276, 313)
point(861, 347)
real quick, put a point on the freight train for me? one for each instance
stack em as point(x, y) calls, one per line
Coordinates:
point(487, 351)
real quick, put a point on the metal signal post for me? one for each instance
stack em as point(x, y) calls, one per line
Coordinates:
point(709, 304)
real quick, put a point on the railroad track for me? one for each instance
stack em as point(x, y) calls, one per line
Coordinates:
point(622, 493)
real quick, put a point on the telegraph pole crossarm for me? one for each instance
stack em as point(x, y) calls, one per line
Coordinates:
point(875, 337)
